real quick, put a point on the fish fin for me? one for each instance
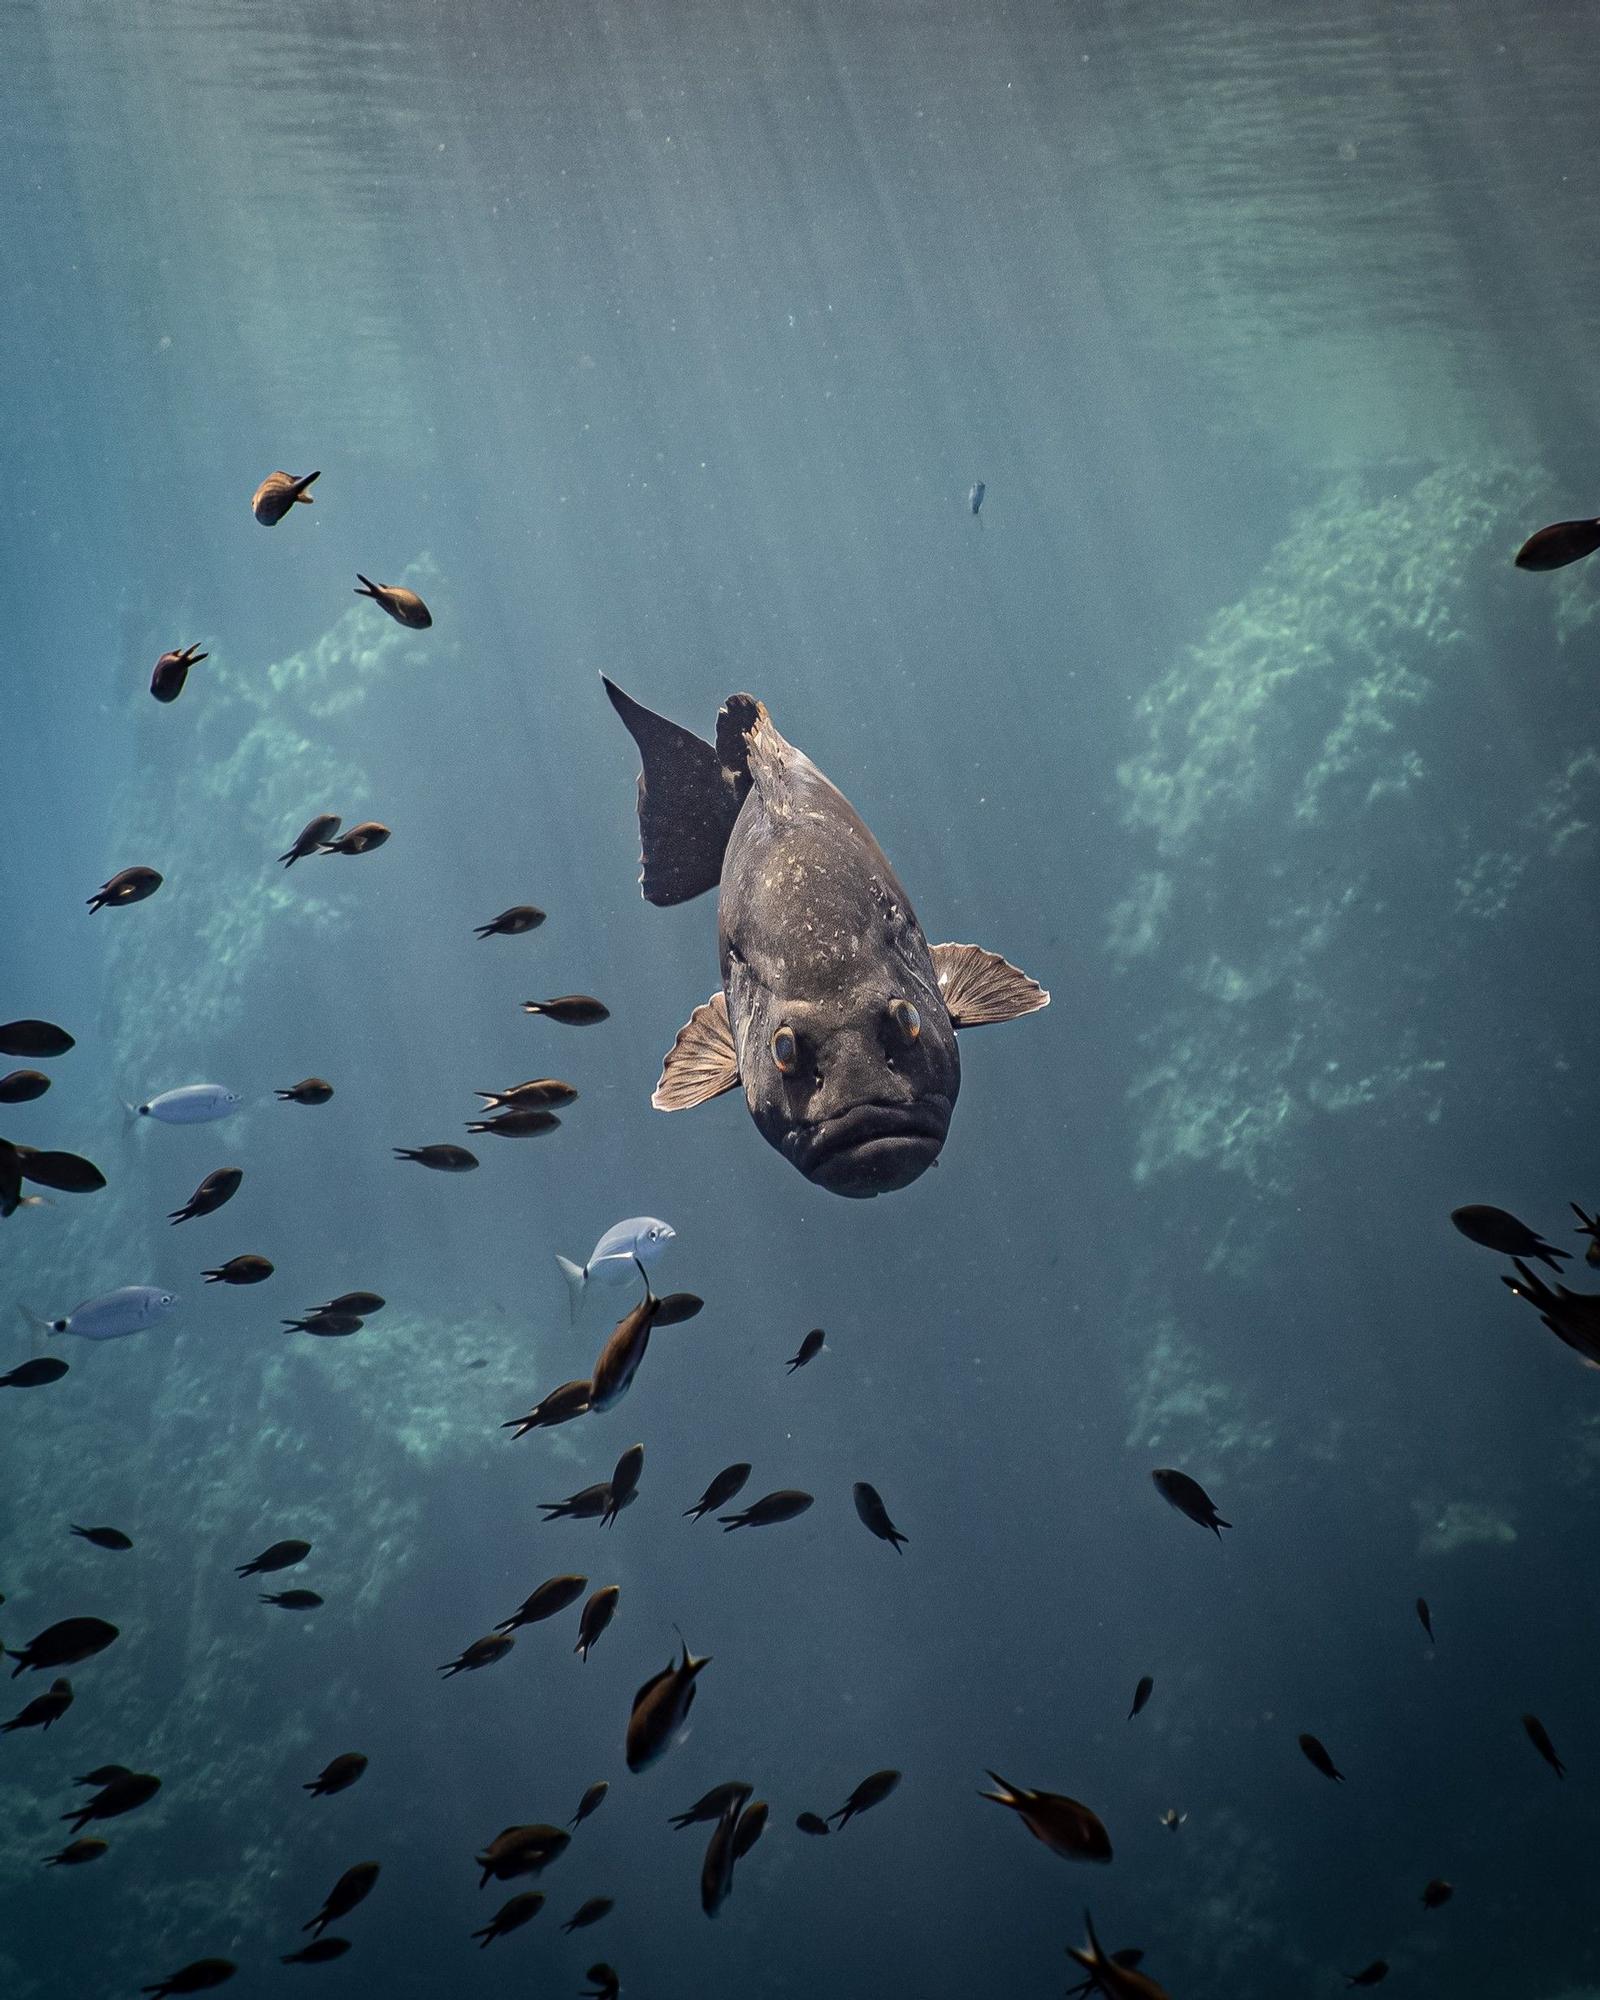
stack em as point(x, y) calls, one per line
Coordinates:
point(702, 1063)
point(979, 987)
point(368, 587)
point(687, 804)
point(306, 479)
point(577, 1278)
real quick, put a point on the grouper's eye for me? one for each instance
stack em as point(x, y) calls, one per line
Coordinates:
point(905, 1019)
point(785, 1050)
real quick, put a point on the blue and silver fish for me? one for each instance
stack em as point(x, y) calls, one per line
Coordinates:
point(620, 1255)
point(129, 1309)
point(193, 1104)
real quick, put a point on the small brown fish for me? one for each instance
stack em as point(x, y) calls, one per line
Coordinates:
point(589, 1913)
point(814, 1824)
point(1315, 1754)
point(625, 1349)
point(197, 1977)
point(22, 1086)
point(248, 1269)
point(559, 1407)
point(1129, 1959)
point(443, 1159)
point(1425, 1618)
point(338, 1775)
point(34, 1374)
point(117, 1796)
point(326, 1325)
point(872, 1791)
point(751, 1825)
point(588, 1505)
point(572, 1010)
point(281, 1555)
point(34, 1038)
point(729, 1481)
point(1065, 1826)
point(675, 1308)
point(403, 606)
point(1561, 543)
point(1142, 1694)
point(874, 1516)
point(320, 1951)
point(63, 1644)
point(624, 1483)
point(716, 1867)
point(529, 1124)
point(217, 1187)
point(1437, 1893)
point(42, 1710)
point(128, 885)
point(520, 918)
point(292, 1600)
point(551, 1597)
point(1111, 1974)
point(360, 839)
point(76, 1852)
point(590, 1802)
point(784, 1505)
point(807, 1351)
point(1369, 1975)
point(511, 1916)
point(521, 1850)
point(542, 1093)
point(1498, 1229)
point(596, 1615)
point(354, 1886)
point(713, 1804)
point(661, 1708)
point(1189, 1497)
point(172, 670)
point(319, 828)
point(67, 1173)
point(279, 492)
point(309, 1090)
point(362, 1304)
point(603, 1983)
point(481, 1653)
point(1539, 1737)
point(106, 1538)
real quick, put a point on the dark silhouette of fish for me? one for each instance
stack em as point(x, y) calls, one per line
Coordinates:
point(63, 1644)
point(1142, 1694)
point(1369, 1975)
point(22, 1086)
point(1561, 543)
point(337, 1776)
point(217, 1187)
point(1066, 1826)
point(1498, 1229)
point(279, 492)
point(514, 922)
point(403, 606)
point(1190, 1498)
point(309, 1090)
point(835, 1015)
point(729, 1481)
point(1316, 1754)
point(512, 1915)
point(172, 670)
point(1539, 1737)
point(1425, 1617)
point(875, 1516)
point(872, 1791)
point(807, 1351)
point(248, 1269)
point(591, 1802)
point(128, 885)
point(309, 840)
point(34, 1038)
point(1116, 1975)
point(281, 1555)
point(198, 1977)
point(36, 1374)
point(551, 1597)
point(354, 1886)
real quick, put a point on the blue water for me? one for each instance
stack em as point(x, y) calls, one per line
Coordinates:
point(667, 343)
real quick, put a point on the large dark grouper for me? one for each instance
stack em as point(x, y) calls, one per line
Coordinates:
point(835, 1014)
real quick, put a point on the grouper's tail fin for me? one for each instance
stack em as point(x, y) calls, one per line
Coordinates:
point(689, 797)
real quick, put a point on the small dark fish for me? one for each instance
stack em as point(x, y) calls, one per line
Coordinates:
point(42, 1710)
point(106, 1538)
point(729, 1481)
point(326, 1325)
point(552, 1596)
point(198, 1977)
point(1425, 1617)
point(572, 1010)
point(619, 1360)
point(102, 1774)
point(128, 885)
point(1316, 1754)
point(874, 1515)
point(870, 1792)
point(1498, 1229)
point(360, 839)
point(354, 1886)
point(34, 1374)
point(217, 1187)
point(11, 1195)
point(590, 1802)
point(1539, 1737)
point(1561, 543)
point(559, 1407)
point(1369, 1975)
point(590, 1913)
point(403, 606)
point(172, 670)
point(517, 1124)
point(362, 1304)
point(76, 1852)
point(661, 1710)
point(1191, 1498)
point(281, 1555)
point(478, 1361)
point(1116, 1975)
point(521, 1850)
point(1172, 1819)
point(511, 1916)
point(22, 1086)
point(320, 1951)
point(814, 1824)
point(33, 1038)
point(278, 493)
point(337, 1776)
point(246, 1270)
point(1437, 1893)
point(603, 1983)
point(808, 1350)
point(1142, 1694)
point(675, 1308)
point(320, 828)
point(587, 1505)
point(784, 1505)
point(752, 1823)
point(63, 1645)
point(514, 922)
point(596, 1615)
point(1588, 1225)
point(310, 1090)
point(1067, 1827)
point(624, 1482)
point(716, 1867)
point(67, 1173)
point(481, 1653)
point(292, 1600)
point(975, 496)
point(1129, 1959)
point(443, 1159)
point(543, 1093)
point(117, 1796)
point(713, 1804)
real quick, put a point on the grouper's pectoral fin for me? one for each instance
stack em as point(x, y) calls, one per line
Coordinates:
point(687, 804)
point(980, 987)
point(702, 1063)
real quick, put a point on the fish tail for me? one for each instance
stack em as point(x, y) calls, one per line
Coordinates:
point(39, 1323)
point(577, 1277)
point(301, 484)
point(368, 587)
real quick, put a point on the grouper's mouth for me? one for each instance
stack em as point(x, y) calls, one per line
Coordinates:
point(871, 1148)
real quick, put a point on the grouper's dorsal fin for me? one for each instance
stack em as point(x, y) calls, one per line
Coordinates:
point(688, 803)
point(702, 1063)
point(980, 987)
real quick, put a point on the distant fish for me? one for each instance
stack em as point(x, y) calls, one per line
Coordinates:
point(752, 1823)
point(337, 1776)
point(124, 1793)
point(620, 1359)
point(443, 1159)
point(68, 1173)
point(192, 1104)
point(618, 1258)
point(1316, 1754)
point(1172, 1819)
point(281, 1555)
point(1498, 1229)
point(587, 1505)
point(872, 1791)
point(787, 1504)
point(106, 1538)
point(1369, 1975)
point(519, 1124)
point(596, 1615)
point(660, 1713)
point(729, 1481)
point(814, 1824)
point(128, 885)
point(624, 1483)
point(1437, 1893)
point(22, 1086)
point(559, 1407)
point(76, 1852)
point(551, 1597)
point(403, 606)
point(309, 1090)
point(482, 1652)
point(321, 827)
point(542, 1093)
point(217, 1187)
point(103, 1774)
point(1108, 1975)
point(1561, 543)
point(326, 1325)
point(591, 1802)
point(511, 1916)
point(1588, 1225)
point(603, 1983)
point(589, 1913)
point(172, 670)
point(36, 1374)
point(1129, 1959)
point(1425, 1617)
point(1065, 1826)
point(1189, 1497)
point(42, 1710)
point(320, 1951)
point(1539, 1737)
point(247, 1269)
point(34, 1038)
point(363, 1304)
point(293, 1600)
point(197, 1977)
point(515, 922)
point(360, 839)
point(354, 1886)
point(975, 499)
point(1573, 1317)
point(716, 1866)
point(713, 1804)
point(874, 1515)
point(278, 493)
point(521, 1850)
point(572, 1010)
point(1142, 1694)
point(112, 1316)
point(808, 1350)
